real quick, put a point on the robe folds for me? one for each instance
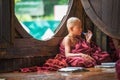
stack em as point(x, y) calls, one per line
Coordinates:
point(117, 66)
point(60, 61)
point(90, 49)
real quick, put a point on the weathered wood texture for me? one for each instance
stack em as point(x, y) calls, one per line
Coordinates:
point(105, 15)
point(6, 32)
point(92, 74)
point(27, 51)
point(24, 43)
point(13, 64)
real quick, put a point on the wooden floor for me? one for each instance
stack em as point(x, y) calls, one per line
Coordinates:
point(92, 74)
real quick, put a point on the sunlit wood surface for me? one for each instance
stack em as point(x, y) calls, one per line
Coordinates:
point(92, 74)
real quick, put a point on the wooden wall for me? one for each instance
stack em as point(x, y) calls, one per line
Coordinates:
point(6, 28)
point(26, 51)
point(105, 15)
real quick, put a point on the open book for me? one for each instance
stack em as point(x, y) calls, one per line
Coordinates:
point(107, 65)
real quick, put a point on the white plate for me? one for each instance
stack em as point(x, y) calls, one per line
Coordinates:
point(107, 66)
point(71, 69)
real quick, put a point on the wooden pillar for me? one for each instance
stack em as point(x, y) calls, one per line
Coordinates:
point(6, 28)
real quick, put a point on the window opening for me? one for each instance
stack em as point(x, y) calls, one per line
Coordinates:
point(40, 18)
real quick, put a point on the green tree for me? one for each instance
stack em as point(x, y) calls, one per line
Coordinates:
point(49, 5)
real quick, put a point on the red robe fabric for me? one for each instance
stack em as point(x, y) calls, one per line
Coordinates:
point(50, 65)
point(113, 52)
point(87, 48)
point(61, 61)
point(117, 66)
point(115, 56)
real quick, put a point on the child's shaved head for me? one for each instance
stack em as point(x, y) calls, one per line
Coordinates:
point(72, 21)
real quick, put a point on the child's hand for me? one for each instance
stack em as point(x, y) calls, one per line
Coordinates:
point(88, 36)
point(86, 57)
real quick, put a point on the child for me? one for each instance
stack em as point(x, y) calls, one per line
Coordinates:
point(74, 51)
point(79, 52)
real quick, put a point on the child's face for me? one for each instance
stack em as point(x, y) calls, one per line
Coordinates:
point(77, 29)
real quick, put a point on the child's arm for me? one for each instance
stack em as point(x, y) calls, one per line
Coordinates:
point(67, 44)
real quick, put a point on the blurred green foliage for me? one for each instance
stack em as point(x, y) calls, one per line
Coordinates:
point(48, 10)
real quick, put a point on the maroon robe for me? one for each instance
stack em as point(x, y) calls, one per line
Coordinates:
point(60, 61)
point(90, 49)
point(115, 56)
point(117, 66)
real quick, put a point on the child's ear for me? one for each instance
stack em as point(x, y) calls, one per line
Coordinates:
point(71, 28)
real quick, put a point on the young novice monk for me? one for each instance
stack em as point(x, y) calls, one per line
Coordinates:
point(79, 52)
point(75, 51)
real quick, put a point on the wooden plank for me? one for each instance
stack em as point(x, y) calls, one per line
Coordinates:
point(89, 9)
point(5, 23)
point(104, 42)
point(0, 20)
point(107, 13)
point(2, 45)
point(6, 30)
point(116, 17)
point(98, 37)
point(97, 6)
point(14, 64)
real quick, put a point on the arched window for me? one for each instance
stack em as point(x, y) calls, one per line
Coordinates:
point(40, 18)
